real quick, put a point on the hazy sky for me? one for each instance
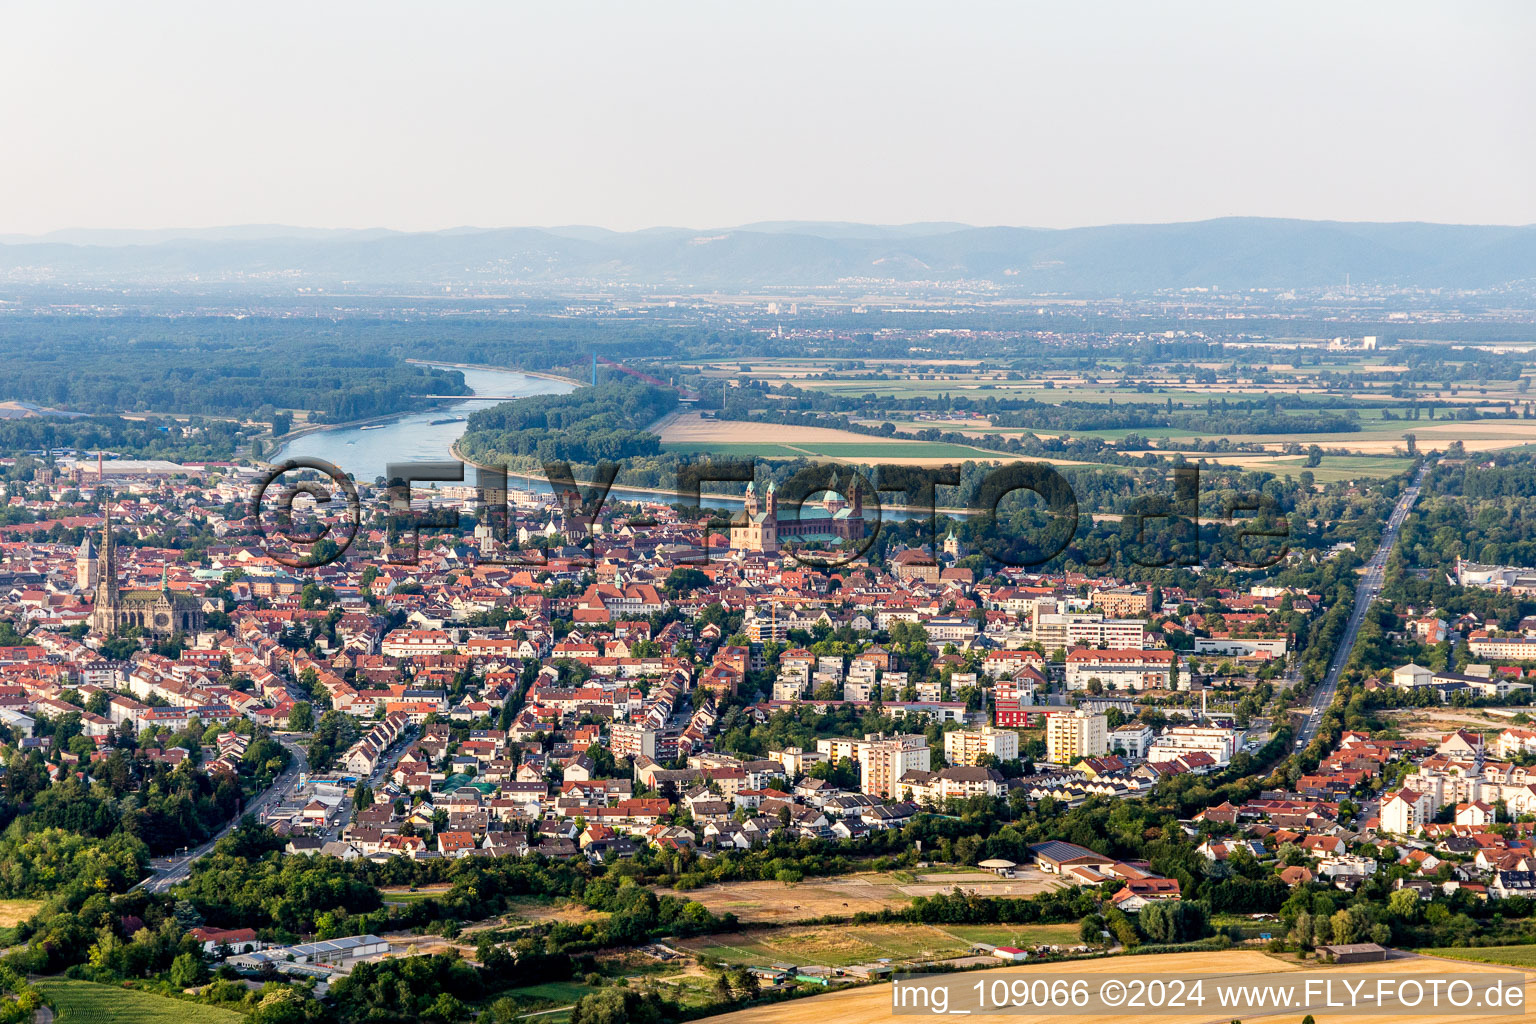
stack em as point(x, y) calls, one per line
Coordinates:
point(431, 115)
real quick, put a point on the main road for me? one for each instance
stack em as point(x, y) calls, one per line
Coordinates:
point(172, 870)
point(1365, 594)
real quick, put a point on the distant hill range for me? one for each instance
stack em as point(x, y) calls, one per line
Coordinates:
point(1230, 254)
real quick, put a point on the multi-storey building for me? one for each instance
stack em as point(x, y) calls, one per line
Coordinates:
point(1066, 630)
point(887, 758)
point(1122, 602)
point(628, 740)
point(965, 746)
point(1075, 734)
point(1120, 669)
point(1187, 739)
point(1131, 739)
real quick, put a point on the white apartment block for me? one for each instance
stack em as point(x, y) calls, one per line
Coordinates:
point(858, 689)
point(629, 740)
point(1507, 648)
point(1131, 739)
point(1405, 812)
point(796, 761)
point(790, 687)
point(965, 746)
point(1512, 742)
point(405, 643)
point(1133, 669)
point(1053, 629)
point(1221, 744)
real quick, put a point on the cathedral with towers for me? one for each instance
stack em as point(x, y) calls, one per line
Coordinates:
point(157, 612)
point(834, 520)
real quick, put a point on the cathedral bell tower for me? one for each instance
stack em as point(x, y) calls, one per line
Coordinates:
point(104, 615)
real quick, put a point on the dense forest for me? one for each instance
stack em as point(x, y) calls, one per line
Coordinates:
point(602, 424)
point(219, 366)
point(1477, 510)
point(147, 438)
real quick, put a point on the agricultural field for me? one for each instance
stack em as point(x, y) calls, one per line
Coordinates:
point(1332, 468)
point(85, 1002)
point(841, 946)
point(829, 945)
point(521, 909)
point(13, 912)
point(869, 1004)
point(1378, 436)
point(1513, 956)
point(689, 432)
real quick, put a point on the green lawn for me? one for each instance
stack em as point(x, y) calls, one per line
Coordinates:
point(1350, 467)
point(838, 946)
point(405, 896)
point(560, 993)
point(874, 451)
point(1018, 934)
point(85, 1002)
point(1515, 956)
point(736, 448)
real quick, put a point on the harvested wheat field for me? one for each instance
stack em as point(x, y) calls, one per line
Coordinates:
point(690, 427)
point(13, 912)
point(843, 896)
point(872, 1003)
point(846, 895)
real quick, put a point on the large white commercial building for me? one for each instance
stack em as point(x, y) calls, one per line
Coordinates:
point(1242, 646)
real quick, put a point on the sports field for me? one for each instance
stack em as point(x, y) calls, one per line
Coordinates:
point(85, 1002)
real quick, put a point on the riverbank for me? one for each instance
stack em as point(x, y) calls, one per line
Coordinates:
point(279, 443)
point(430, 404)
point(366, 447)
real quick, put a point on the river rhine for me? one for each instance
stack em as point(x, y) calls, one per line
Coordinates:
point(364, 451)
